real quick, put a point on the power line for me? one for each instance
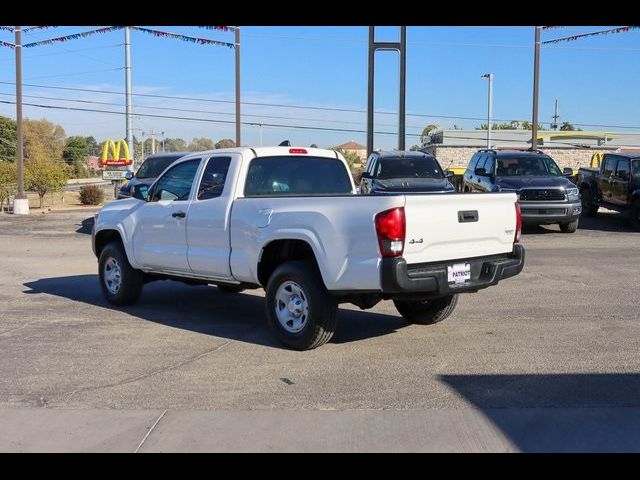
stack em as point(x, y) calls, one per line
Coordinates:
point(309, 107)
point(79, 73)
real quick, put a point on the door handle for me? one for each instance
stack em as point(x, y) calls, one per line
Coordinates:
point(178, 214)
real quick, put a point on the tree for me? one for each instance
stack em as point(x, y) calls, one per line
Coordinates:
point(43, 175)
point(43, 139)
point(528, 126)
point(7, 139)
point(200, 144)
point(8, 180)
point(567, 127)
point(93, 148)
point(75, 150)
point(175, 145)
point(313, 145)
point(225, 143)
point(351, 157)
point(426, 131)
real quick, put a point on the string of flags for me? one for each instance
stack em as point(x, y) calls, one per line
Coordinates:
point(222, 29)
point(157, 33)
point(591, 34)
point(185, 38)
point(8, 29)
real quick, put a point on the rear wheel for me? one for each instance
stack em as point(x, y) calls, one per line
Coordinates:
point(300, 311)
point(589, 208)
point(121, 283)
point(427, 312)
point(569, 227)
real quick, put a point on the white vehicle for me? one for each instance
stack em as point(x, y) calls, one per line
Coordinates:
point(289, 220)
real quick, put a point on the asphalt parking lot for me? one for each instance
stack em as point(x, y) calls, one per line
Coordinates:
point(546, 361)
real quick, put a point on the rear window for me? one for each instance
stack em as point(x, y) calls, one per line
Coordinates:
point(408, 167)
point(296, 175)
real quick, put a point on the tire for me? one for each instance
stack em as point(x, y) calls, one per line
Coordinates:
point(121, 284)
point(314, 318)
point(589, 209)
point(230, 289)
point(427, 312)
point(635, 215)
point(570, 227)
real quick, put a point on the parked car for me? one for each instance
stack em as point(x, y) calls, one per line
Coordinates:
point(615, 185)
point(153, 166)
point(404, 172)
point(288, 220)
point(546, 196)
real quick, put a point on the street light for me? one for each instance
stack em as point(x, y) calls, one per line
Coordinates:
point(489, 107)
point(162, 133)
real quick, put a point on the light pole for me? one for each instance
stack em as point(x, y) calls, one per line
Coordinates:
point(489, 107)
point(127, 84)
point(20, 202)
point(536, 82)
point(162, 133)
point(237, 52)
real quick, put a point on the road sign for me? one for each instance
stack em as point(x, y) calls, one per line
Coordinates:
point(114, 174)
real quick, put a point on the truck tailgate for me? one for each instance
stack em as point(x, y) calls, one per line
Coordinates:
point(449, 227)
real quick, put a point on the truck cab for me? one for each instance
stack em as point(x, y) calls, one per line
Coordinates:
point(615, 184)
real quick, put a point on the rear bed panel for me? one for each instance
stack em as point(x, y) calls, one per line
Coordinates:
point(435, 232)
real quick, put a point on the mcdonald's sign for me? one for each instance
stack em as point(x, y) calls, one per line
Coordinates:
point(114, 148)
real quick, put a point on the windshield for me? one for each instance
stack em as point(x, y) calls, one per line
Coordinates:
point(152, 167)
point(423, 167)
point(635, 166)
point(529, 165)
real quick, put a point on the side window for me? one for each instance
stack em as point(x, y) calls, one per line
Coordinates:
point(609, 165)
point(213, 178)
point(473, 162)
point(489, 165)
point(622, 171)
point(176, 183)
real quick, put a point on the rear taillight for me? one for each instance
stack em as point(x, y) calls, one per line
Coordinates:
point(516, 237)
point(391, 229)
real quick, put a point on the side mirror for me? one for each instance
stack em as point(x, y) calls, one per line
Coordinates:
point(567, 172)
point(128, 175)
point(448, 173)
point(365, 175)
point(140, 191)
point(481, 172)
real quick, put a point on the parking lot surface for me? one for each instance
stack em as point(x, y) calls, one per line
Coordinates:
point(546, 361)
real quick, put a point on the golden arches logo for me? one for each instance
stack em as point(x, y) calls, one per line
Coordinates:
point(115, 149)
point(596, 159)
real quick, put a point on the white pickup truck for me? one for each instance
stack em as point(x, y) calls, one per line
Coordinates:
point(289, 220)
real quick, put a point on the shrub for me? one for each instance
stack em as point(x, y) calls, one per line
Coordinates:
point(91, 195)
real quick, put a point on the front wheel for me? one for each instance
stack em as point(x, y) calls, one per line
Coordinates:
point(635, 215)
point(570, 227)
point(121, 283)
point(427, 312)
point(589, 209)
point(300, 311)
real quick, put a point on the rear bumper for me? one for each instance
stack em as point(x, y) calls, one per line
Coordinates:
point(549, 212)
point(396, 277)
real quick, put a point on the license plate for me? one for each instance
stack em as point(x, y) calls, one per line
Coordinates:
point(459, 273)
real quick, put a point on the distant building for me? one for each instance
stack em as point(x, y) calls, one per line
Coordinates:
point(454, 148)
point(93, 163)
point(353, 146)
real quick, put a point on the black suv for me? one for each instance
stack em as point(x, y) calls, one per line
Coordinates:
point(545, 194)
point(153, 166)
point(404, 172)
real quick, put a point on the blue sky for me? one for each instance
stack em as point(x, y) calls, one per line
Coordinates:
point(595, 79)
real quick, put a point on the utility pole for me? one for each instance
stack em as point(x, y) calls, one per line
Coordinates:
point(536, 82)
point(489, 107)
point(162, 133)
point(20, 202)
point(142, 149)
point(237, 48)
point(555, 117)
point(127, 81)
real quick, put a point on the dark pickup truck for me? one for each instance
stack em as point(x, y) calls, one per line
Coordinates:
point(615, 185)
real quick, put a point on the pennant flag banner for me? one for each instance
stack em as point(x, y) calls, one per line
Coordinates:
point(38, 28)
point(185, 38)
point(6, 44)
point(8, 29)
point(222, 29)
point(601, 32)
point(547, 28)
point(72, 36)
